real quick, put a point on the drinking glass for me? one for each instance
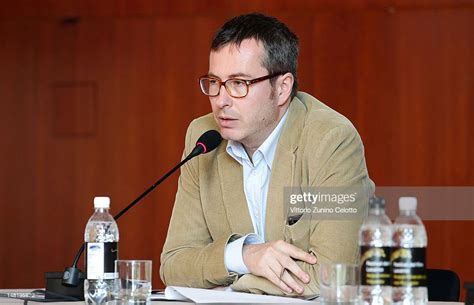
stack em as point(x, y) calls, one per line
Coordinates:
point(339, 284)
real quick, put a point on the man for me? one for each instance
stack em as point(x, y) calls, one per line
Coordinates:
point(230, 224)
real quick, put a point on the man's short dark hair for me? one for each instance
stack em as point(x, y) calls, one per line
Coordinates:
point(280, 44)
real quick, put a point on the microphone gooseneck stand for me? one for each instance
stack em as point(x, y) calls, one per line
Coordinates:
point(70, 284)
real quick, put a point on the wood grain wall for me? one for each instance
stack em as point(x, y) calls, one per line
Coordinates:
point(96, 96)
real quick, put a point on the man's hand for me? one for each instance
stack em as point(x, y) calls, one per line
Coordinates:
point(276, 261)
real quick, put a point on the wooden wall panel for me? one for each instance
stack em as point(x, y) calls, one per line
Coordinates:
point(72, 169)
point(209, 8)
point(17, 147)
point(435, 82)
point(400, 70)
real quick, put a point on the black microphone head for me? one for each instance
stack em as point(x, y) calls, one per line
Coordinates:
point(209, 140)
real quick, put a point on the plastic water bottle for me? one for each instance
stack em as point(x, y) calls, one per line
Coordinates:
point(101, 238)
point(409, 256)
point(375, 241)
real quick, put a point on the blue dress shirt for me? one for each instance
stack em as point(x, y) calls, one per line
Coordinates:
point(256, 176)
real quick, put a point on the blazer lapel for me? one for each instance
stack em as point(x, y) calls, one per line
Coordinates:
point(235, 203)
point(283, 170)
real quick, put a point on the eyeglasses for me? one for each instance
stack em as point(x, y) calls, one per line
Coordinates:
point(236, 87)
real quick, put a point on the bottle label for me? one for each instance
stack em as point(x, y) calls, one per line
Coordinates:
point(408, 267)
point(375, 266)
point(101, 260)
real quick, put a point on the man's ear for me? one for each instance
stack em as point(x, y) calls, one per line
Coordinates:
point(285, 84)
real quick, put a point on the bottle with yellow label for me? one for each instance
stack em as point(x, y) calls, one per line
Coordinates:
point(375, 241)
point(409, 256)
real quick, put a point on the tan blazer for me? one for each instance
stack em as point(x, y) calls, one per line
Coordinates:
point(317, 147)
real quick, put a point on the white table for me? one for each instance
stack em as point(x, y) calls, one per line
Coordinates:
point(19, 301)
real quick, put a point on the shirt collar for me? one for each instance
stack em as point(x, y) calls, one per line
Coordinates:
point(267, 149)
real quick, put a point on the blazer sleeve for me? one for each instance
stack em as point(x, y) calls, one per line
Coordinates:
point(338, 160)
point(190, 256)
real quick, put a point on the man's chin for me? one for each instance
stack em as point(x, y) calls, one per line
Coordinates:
point(229, 135)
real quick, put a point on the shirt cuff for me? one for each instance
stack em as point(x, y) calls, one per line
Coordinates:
point(233, 260)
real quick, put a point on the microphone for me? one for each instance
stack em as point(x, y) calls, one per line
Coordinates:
point(207, 142)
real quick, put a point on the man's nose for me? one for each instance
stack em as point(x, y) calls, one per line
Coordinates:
point(223, 99)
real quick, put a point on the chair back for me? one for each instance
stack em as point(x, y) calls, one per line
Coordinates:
point(443, 285)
